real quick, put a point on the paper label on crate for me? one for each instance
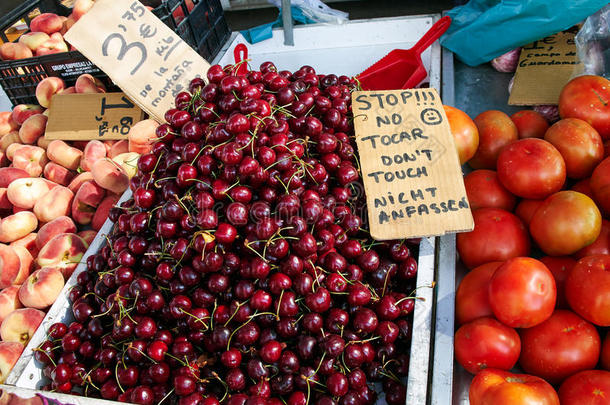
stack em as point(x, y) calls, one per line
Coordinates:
point(80, 117)
point(545, 66)
point(410, 167)
point(143, 56)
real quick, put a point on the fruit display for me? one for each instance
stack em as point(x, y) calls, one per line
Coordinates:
point(536, 298)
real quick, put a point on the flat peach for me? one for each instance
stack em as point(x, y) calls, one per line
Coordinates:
point(10, 151)
point(58, 174)
point(64, 251)
point(9, 301)
point(47, 23)
point(80, 8)
point(48, 231)
point(86, 201)
point(54, 204)
point(33, 128)
point(89, 84)
point(68, 90)
point(34, 39)
point(20, 325)
point(9, 354)
point(9, 265)
point(118, 147)
point(25, 192)
point(28, 242)
point(43, 142)
point(22, 112)
point(64, 154)
point(102, 211)
point(88, 235)
point(8, 174)
point(47, 88)
point(14, 51)
point(129, 162)
point(31, 159)
point(78, 181)
point(94, 151)
point(5, 203)
point(53, 45)
point(142, 135)
point(7, 124)
point(26, 264)
point(110, 175)
point(9, 139)
point(41, 288)
point(17, 226)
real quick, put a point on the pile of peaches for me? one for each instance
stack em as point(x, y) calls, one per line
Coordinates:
point(54, 197)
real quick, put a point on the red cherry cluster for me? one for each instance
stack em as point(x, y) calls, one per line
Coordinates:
point(241, 271)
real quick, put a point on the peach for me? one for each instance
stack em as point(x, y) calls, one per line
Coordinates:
point(28, 242)
point(9, 265)
point(94, 151)
point(129, 162)
point(118, 147)
point(41, 288)
point(7, 124)
point(141, 136)
point(88, 235)
point(14, 51)
point(33, 128)
point(8, 139)
point(20, 325)
point(64, 154)
point(16, 226)
point(58, 174)
point(26, 264)
point(22, 112)
point(47, 88)
point(5, 203)
point(9, 354)
point(79, 180)
point(47, 23)
point(31, 159)
point(33, 39)
point(102, 211)
point(80, 8)
point(64, 251)
point(9, 301)
point(8, 174)
point(43, 142)
point(110, 175)
point(26, 191)
point(89, 84)
point(10, 151)
point(48, 231)
point(68, 90)
point(87, 199)
point(54, 204)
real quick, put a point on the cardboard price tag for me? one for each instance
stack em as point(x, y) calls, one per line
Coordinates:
point(410, 167)
point(80, 117)
point(545, 66)
point(143, 56)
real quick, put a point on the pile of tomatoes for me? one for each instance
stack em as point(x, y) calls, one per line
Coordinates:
point(537, 295)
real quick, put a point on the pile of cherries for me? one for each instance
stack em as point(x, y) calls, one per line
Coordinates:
point(241, 271)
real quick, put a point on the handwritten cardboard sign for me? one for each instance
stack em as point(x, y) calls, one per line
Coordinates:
point(545, 66)
point(91, 116)
point(143, 56)
point(410, 167)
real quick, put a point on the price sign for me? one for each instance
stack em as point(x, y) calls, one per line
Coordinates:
point(410, 167)
point(545, 66)
point(143, 56)
point(79, 117)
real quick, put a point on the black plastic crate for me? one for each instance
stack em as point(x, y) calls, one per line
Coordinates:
point(200, 23)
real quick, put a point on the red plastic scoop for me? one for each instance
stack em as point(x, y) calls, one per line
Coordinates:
point(402, 68)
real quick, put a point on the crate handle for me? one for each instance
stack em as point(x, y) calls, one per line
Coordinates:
point(241, 54)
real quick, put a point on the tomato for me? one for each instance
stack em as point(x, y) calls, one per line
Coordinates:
point(601, 246)
point(472, 296)
point(604, 359)
point(591, 387)
point(483, 189)
point(465, 133)
point(530, 124)
point(531, 168)
point(584, 186)
point(561, 346)
point(526, 208)
point(588, 98)
point(499, 387)
point(588, 289)
point(579, 144)
point(600, 184)
point(560, 267)
point(522, 292)
point(497, 235)
point(496, 130)
point(565, 222)
point(485, 343)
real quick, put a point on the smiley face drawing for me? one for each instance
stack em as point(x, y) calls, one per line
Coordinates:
point(431, 116)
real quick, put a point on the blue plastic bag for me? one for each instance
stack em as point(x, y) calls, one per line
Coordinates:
point(484, 29)
point(265, 31)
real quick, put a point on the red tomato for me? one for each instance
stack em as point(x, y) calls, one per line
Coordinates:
point(530, 124)
point(584, 186)
point(579, 144)
point(496, 130)
point(588, 289)
point(566, 222)
point(601, 246)
point(560, 267)
point(499, 387)
point(485, 343)
point(498, 235)
point(600, 184)
point(484, 190)
point(588, 98)
point(531, 168)
point(561, 346)
point(465, 133)
point(526, 208)
point(591, 387)
point(604, 359)
point(472, 296)
point(522, 292)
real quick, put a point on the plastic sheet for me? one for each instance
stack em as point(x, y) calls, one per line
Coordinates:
point(593, 43)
